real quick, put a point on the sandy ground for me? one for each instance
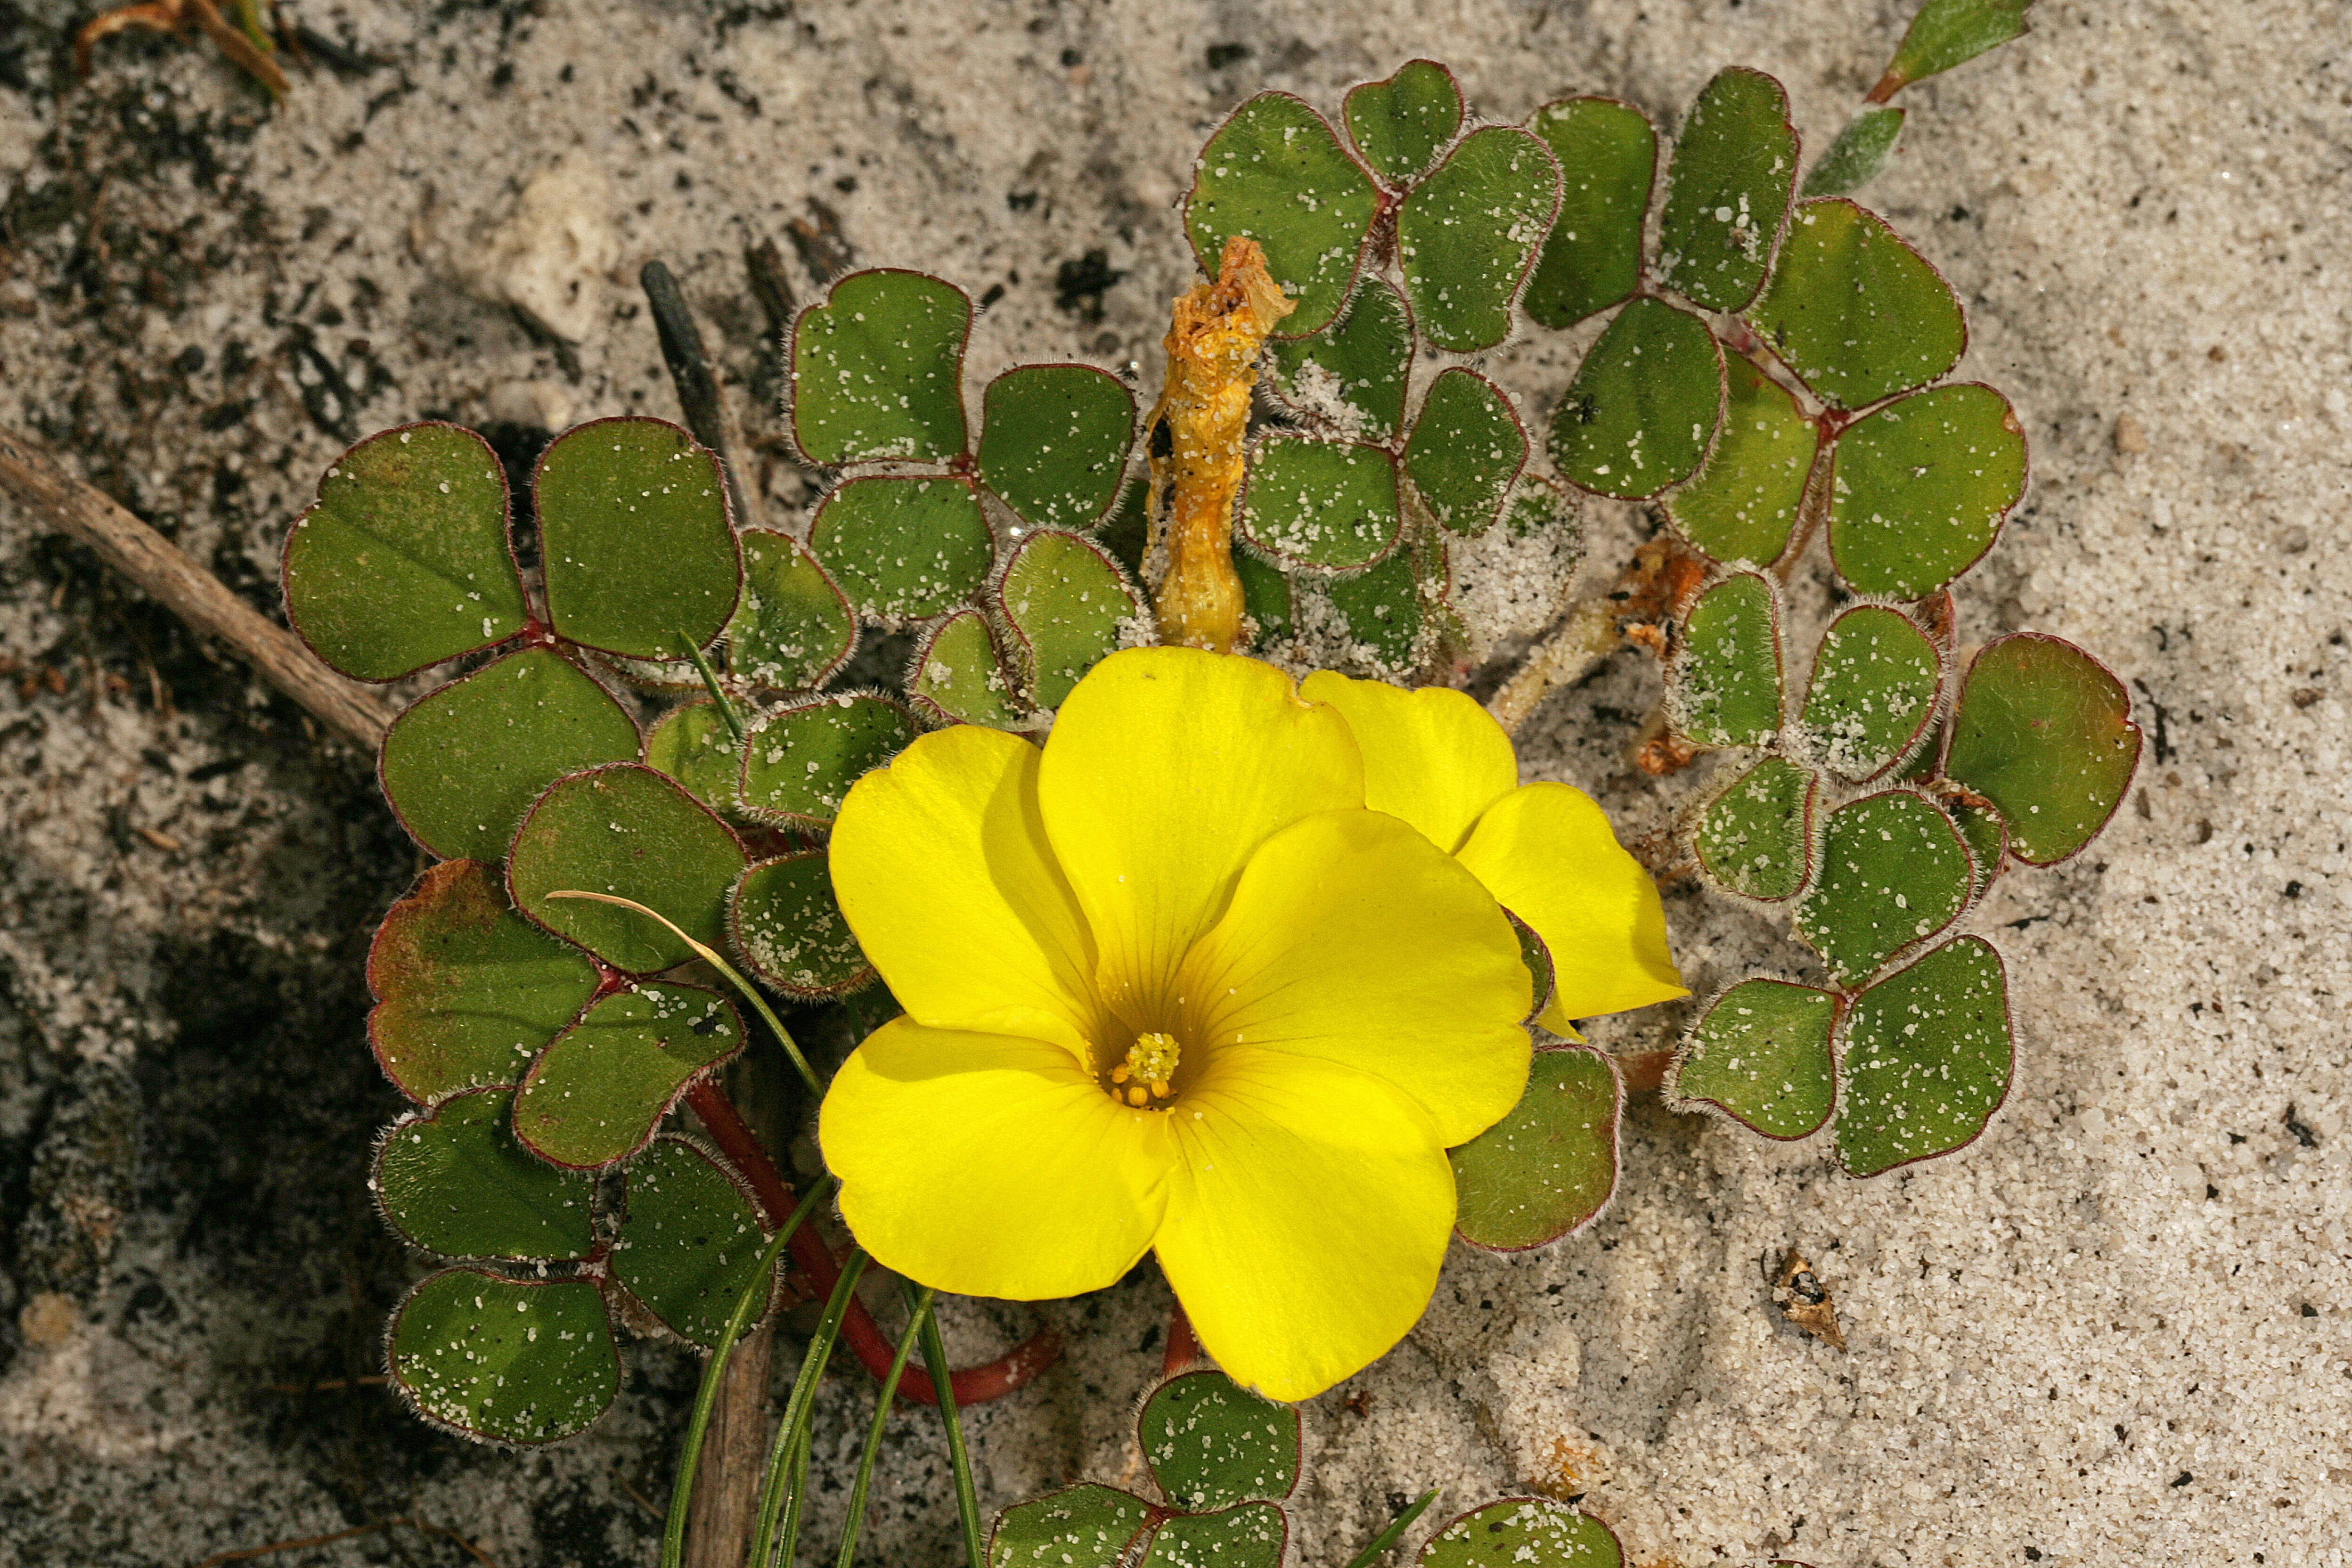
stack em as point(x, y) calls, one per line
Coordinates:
point(2114, 1331)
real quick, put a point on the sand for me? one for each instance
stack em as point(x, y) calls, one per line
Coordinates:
point(2113, 1332)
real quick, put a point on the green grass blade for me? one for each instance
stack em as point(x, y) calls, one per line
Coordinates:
point(719, 697)
point(922, 1315)
point(691, 1457)
point(935, 1361)
point(1397, 1527)
point(711, 956)
point(793, 1431)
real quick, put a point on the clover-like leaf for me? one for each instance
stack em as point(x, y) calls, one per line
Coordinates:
point(1726, 688)
point(1917, 490)
point(878, 370)
point(958, 676)
point(1854, 311)
point(1857, 155)
point(1211, 1443)
point(789, 927)
point(1756, 837)
point(467, 992)
point(1328, 506)
point(1743, 501)
point(404, 559)
point(453, 1178)
point(1926, 1057)
point(1467, 234)
point(1276, 171)
point(1875, 683)
point(465, 762)
point(1608, 156)
point(1248, 1535)
point(626, 831)
point(1466, 448)
point(1087, 1526)
point(1947, 32)
point(1353, 372)
point(1728, 189)
point(689, 1242)
point(1761, 1056)
point(599, 1092)
point(794, 629)
point(1053, 440)
point(1068, 605)
point(904, 548)
point(636, 544)
point(1893, 872)
point(1380, 613)
point(1523, 1532)
point(1401, 123)
point(799, 762)
point(504, 1360)
point(692, 745)
point(2045, 732)
point(1643, 406)
point(1550, 1164)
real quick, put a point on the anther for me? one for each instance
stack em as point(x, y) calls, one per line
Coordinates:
point(1149, 1073)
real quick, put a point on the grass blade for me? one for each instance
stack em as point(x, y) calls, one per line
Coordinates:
point(792, 1433)
point(1397, 1527)
point(922, 1315)
point(711, 957)
point(689, 1457)
point(934, 1360)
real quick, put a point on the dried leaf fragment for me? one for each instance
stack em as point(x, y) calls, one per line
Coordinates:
point(1805, 1301)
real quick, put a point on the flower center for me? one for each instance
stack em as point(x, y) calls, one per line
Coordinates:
point(1147, 1076)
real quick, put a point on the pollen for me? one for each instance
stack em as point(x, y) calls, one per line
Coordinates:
point(1147, 1076)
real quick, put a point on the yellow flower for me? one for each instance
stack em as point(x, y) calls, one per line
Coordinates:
point(1172, 986)
point(1439, 761)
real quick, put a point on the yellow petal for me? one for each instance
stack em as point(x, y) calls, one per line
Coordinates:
point(1352, 938)
point(1432, 756)
point(1166, 768)
point(941, 865)
point(1547, 853)
point(991, 1166)
point(1307, 1213)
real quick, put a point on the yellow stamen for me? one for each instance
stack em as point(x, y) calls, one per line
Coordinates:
point(1149, 1073)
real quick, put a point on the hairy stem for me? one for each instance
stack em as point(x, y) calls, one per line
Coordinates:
point(1588, 635)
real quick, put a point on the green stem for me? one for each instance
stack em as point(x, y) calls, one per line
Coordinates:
point(935, 1359)
point(755, 1291)
point(874, 1432)
point(1397, 1527)
point(798, 1409)
point(710, 956)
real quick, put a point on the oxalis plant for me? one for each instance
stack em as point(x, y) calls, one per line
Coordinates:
point(632, 782)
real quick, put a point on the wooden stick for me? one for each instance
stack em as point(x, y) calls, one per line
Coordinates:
point(726, 1499)
point(57, 502)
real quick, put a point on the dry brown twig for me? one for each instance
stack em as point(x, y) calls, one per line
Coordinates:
point(55, 501)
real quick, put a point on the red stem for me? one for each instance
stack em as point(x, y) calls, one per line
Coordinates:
point(1183, 1346)
point(971, 1385)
